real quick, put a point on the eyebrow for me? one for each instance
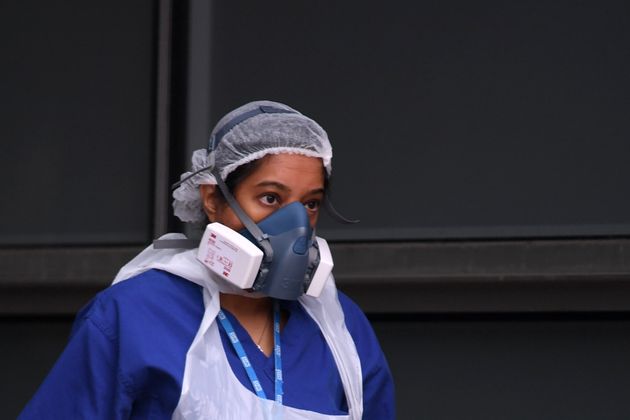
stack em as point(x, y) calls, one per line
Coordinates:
point(283, 187)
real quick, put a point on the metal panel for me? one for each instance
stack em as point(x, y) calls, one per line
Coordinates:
point(435, 277)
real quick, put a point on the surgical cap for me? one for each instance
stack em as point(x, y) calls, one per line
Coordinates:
point(248, 133)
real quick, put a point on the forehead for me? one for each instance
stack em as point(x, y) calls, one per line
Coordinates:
point(293, 170)
point(292, 161)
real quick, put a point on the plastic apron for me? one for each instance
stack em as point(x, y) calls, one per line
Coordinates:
point(210, 390)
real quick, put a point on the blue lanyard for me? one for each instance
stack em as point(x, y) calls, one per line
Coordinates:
point(277, 352)
point(240, 351)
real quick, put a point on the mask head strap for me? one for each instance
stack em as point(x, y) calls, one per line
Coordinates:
point(261, 237)
point(334, 213)
point(263, 109)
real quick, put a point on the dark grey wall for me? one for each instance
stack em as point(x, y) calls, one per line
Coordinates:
point(448, 119)
point(77, 118)
point(514, 369)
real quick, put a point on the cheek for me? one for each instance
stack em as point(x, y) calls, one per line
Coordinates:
point(227, 217)
point(254, 209)
point(255, 212)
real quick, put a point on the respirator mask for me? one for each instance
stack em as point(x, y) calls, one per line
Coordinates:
point(282, 258)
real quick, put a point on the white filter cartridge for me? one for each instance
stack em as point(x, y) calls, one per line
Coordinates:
point(230, 255)
point(323, 269)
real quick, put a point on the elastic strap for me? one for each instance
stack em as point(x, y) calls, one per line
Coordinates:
point(263, 109)
point(335, 214)
point(257, 233)
point(261, 237)
point(197, 172)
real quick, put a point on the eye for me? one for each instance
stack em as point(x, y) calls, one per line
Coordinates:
point(269, 199)
point(312, 205)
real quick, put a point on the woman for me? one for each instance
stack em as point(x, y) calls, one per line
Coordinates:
point(172, 338)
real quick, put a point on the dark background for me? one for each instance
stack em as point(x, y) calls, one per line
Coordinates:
point(448, 119)
point(484, 147)
point(78, 92)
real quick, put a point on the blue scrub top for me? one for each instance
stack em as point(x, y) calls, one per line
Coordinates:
point(127, 352)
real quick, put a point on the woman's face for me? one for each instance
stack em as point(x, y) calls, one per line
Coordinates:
point(278, 180)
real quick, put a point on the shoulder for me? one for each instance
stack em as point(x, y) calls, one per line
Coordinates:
point(127, 349)
point(360, 329)
point(153, 284)
point(143, 302)
point(378, 384)
point(147, 289)
point(151, 320)
point(356, 321)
